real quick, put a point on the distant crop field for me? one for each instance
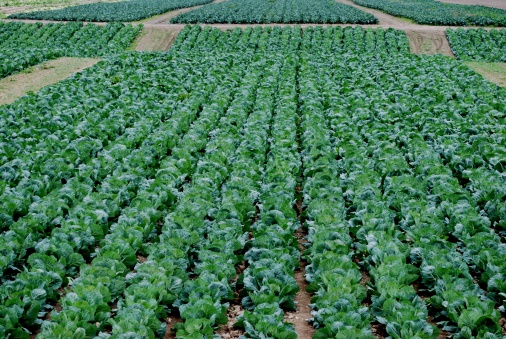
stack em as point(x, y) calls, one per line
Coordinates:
point(124, 11)
point(280, 11)
point(23, 45)
point(187, 183)
point(478, 44)
point(432, 12)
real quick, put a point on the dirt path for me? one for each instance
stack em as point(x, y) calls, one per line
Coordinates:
point(492, 71)
point(488, 3)
point(384, 18)
point(155, 39)
point(33, 79)
point(165, 17)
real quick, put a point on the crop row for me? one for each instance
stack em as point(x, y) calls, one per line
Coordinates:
point(23, 45)
point(282, 11)
point(433, 12)
point(391, 158)
point(478, 44)
point(123, 11)
point(176, 179)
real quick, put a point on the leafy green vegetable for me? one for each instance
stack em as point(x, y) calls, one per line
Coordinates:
point(433, 12)
point(283, 11)
point(125, 11)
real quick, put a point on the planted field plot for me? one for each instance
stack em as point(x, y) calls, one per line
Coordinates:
point(478, 44)
point(283, 11)
point(23, 45)
point(130, 10)
point(432, 12)
point(156, 184)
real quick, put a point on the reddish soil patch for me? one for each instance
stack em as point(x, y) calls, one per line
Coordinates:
point(171, 322)
point(502, 323)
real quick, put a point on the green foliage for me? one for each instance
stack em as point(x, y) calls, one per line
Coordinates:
point(25, 45)
point(124, 11)
point(281, 11)
point(478, 44)
point(433, 12)
point(145, 181)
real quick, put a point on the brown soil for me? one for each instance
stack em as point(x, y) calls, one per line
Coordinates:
point(155, 39)
point(35, 78)
point(379, 330)
point(228, 331)
point(488, 3)
point(303, 313)
point(502, 323)
point(171, 322)
point(429, 42)
point(300, 316)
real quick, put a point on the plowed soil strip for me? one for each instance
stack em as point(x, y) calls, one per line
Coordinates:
point(300, 317)
point(434, 42)
point(35, 78)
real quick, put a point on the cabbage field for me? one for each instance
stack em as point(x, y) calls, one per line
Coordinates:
point(24, 45)
point(478, 44)
point(172, 184)
point(124, 10)
point(433, 12)
point(281, 11)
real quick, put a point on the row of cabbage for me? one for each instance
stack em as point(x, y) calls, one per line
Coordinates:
point(23, 45)
point(148, 155)
point(133, 129)
point(419, 186)
point(478, 44)
point(433, 12)
point(124, 11)
point(280, 11)
point(167, 172)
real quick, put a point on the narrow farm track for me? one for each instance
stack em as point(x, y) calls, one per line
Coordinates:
point(155, 39)
point(165, 18)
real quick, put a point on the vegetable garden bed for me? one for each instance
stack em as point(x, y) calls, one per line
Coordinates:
point(24, 45)
point(135, 190)
point(283, 11)
point(130, 10)
point(478, 44)
point(433, 12)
